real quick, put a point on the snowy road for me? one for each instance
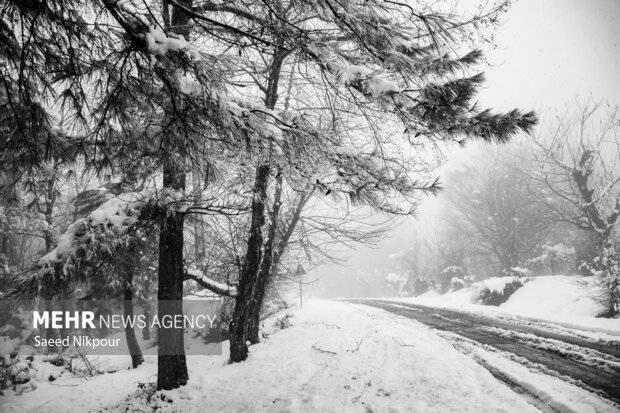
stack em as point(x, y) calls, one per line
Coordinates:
point(342, 357)
point(592, 365)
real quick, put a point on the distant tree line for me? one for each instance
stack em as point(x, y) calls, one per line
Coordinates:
point(548, 204)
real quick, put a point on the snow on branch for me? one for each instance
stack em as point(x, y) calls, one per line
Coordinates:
point(444, 106)
point(161, 44)
point(211, 285)
point(112, 218)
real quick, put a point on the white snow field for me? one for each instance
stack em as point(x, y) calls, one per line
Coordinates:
point(336, 357)
point(566, 301)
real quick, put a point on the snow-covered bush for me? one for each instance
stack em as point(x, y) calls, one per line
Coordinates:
point(283, 322)
point(496, 291)
point(16, 331)
point(608, 280)
point(421, 285)
point(457, 283)
point(447, 275)
point(516, 272)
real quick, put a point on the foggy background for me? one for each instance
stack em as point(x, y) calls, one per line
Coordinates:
point(548, 56)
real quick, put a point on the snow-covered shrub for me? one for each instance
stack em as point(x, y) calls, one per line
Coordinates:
point(283, 322)
point(445, 277)
point(608, 280)
point(516, 272)
point(457, 283)
point(420, 285)
point(496, 291)
point(16, 331)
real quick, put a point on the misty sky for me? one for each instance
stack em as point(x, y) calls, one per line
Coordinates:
point(549, 53)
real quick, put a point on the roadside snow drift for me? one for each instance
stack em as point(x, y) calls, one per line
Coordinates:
point(565, 300)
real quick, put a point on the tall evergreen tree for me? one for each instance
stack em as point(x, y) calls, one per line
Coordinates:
point(141, 91)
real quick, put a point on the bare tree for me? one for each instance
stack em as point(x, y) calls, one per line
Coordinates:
point(491, 206)
point(578, 172)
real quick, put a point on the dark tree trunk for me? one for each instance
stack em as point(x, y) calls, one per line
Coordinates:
point(245, 306)
point(588, 247)
point(130, 334)
point(171, 361)
point(248, 302)
point(9, 251)
point(269, 269)
point(266, 266)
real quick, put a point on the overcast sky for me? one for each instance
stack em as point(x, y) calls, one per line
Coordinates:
point(549, 53)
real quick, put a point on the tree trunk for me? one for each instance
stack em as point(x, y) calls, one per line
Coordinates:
point(199, 238)
point(244, 303)
point(248, 302)
point(588, 247)
point(171, 361)
point(130, 335)
point(269, 272)
point(148, 318)
point(266, 265)
point(49, 292)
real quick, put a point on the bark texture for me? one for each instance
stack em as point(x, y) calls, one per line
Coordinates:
point(130, 335)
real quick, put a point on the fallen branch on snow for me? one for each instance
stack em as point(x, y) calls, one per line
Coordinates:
point(314, 347)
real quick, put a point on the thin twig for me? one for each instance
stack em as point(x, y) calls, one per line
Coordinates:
point(314, 347)
point(400, 343)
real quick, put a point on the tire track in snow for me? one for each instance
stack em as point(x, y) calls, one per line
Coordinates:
point(603, 382)
point(549, 394)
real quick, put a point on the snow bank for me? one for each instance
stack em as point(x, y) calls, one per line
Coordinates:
point(336, 357)
point(564, 300)
point(570, 296)
point(465, 296)
point(497, 284)
point(80, 394)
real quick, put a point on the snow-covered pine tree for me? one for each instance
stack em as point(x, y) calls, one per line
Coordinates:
point(98, 81)
point(138, 96)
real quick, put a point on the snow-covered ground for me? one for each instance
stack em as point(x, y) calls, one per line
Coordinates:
point(567, 301)
point(547, 390)
point(335, 357)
